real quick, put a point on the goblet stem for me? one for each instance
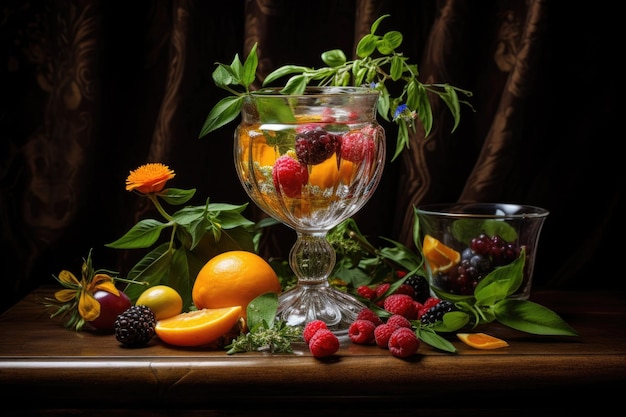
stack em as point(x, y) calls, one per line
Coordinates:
point(312, 259)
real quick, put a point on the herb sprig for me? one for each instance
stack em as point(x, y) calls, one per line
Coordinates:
point(265, 333)
point(379, 65)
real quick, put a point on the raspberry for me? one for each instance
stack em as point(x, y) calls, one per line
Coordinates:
point(382, 334)
point(403, 343)
point(405, 289)
point(315, 146)
point(381, 289)
point(436, 312)
point(356, 146)
point(323, 343)
point(399, 321)
point(362, 332)
point(401, 304)
point(367, 314)
point(311, 328)
point(430, 302)
point(420, 286)
point(289, 176)
point(366, 292)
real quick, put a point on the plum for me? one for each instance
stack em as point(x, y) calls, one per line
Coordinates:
point(110, 307)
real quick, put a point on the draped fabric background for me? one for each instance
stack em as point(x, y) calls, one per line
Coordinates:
point(93, 89)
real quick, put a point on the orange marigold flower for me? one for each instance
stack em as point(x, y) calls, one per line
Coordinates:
point(149, 178)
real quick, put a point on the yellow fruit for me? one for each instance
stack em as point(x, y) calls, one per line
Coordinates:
point(197, 327)
point(440, 258)
point(163, 300)
point(481, 340)
point(233, 278)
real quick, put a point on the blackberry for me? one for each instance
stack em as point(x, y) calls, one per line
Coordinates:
point(421, 287)
point(135, 326)
point(315, 146)
point(436, 312)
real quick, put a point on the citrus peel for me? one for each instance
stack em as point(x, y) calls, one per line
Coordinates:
point(440, 257)
point(481, 340)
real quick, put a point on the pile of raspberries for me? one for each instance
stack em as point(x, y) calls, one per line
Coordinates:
point(395, 334)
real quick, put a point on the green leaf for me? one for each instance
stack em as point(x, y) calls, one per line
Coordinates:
point(529, 317)
point(273, 111)
point(334, 58)
point(191, 229)
point(430, 337)
point(403, 139)
point(236, 68)
point(376, 23)
point(464, 230)
point(282, 72)
point(366, 46)
point(179, 277)
point(393, 39)
point(424, 110)
point(452, 321)
point(501, 282)
point(397, 65)
point(224, 112)
point(176, 196)
point(295, 85)
point(249, 67)
point(452, 101)
point(223, 76)
point(152, 268)
point(412, 94)
point(401, 255)
point(262, 309)
point(142, 235)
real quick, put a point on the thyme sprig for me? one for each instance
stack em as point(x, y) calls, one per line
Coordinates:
point(266, 332)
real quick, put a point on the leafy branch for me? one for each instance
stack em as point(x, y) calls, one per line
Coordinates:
point(379, 66)
point(197, 233)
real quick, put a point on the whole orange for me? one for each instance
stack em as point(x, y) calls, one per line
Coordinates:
point(233, 278)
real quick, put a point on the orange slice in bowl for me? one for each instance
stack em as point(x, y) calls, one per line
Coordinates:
point(199, 327)
point(440, 258)
point(481, 340)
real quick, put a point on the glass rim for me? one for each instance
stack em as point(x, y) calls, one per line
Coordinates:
point(315, 91)
point(483, 210)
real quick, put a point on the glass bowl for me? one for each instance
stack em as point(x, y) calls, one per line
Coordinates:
point(465, 244)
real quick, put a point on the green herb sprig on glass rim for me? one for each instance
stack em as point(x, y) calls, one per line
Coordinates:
point(379, 66)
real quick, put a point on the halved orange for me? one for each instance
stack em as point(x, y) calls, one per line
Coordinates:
point(481, 340)
point(198, 327)
point(440, 258)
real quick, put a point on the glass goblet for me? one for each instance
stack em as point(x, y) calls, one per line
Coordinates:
point(311, 161)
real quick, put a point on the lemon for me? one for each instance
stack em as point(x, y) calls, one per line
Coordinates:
point(163, 300)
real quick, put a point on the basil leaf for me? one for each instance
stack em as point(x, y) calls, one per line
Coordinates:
point(262, 310)
point(430, 337)
point(530, 317)
point(501, 282)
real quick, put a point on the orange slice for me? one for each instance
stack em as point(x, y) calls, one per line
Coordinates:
point(440, 258)
point(481, 340)
point(199, 327)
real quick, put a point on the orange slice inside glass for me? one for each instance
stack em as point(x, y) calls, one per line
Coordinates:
point(440, 258)
point(199, 327)
point(481, 340)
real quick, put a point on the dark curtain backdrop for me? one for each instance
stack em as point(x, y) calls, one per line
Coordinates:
point(93, 89)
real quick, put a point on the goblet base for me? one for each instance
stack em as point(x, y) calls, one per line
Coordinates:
point(306, 303)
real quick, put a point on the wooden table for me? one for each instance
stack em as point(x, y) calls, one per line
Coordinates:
point(45, 367)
